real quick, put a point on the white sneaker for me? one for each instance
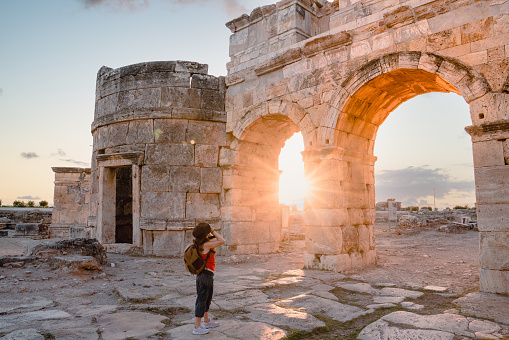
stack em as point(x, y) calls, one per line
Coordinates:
point(210, 324)
point(200, 330)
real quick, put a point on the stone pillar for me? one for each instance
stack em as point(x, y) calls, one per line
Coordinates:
point(250, 205)
point(340, 214)
point(490, 138)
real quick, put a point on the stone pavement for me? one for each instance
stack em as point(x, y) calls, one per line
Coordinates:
point(256, 297)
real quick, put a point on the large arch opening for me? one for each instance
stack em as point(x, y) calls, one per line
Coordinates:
point(340, 221)
point(252, 213)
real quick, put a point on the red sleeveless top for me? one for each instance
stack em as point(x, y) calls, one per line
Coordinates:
point(211, 262)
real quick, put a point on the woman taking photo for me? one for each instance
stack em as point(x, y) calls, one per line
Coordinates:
point(206, 240)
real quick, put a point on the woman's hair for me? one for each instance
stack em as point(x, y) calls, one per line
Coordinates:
point(200, 233)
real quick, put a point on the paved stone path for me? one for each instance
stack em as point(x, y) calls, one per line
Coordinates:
point(256, 297)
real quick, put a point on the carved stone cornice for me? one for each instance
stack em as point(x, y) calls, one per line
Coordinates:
point(310, 48)
point(120, 159)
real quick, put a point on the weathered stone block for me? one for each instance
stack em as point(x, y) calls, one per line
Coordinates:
point(494, 247)
point(488, 153)
point(212, 100)
point(490, 107)
point(163, 243)
point(203, 81)
point(211, 180)
point(350, 239)
point(180, 97)
point(184, 179)
point(163, 205)
point(139, 99)
point(494, 281)
point(476, 30)
point(202, 206)
point(323, 240)
point(155, 178)
point(209, 133)
point(399, 17)
point(140, 131)
point(116, 135)
point(250, 233)
point(444, 39)
point(240, 214)
point(493, 217)
point(170, 130)
point(170, 154)
point(326, 217)
point(206, 156)
point(337, 263)
point(191, 67)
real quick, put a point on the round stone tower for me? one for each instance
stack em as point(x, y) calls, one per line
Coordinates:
point(158, 130)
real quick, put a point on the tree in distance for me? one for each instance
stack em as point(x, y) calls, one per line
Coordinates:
point(19, 204)
point(43, 204)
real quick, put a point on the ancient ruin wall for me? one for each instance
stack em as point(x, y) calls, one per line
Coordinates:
point(158, 130)
point(335, 71)
point(70, 201)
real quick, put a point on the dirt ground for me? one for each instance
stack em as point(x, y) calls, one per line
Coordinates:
point(425, 256)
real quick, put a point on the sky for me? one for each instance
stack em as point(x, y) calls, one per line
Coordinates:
point(51, 52)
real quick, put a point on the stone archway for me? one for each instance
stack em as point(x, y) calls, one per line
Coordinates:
point(251, 212)
point(348, 65)
point(341, 212)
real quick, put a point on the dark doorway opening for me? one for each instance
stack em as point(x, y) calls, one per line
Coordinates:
point(124, 206)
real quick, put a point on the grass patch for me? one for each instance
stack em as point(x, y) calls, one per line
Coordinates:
point(168, 312)
point(48, 336)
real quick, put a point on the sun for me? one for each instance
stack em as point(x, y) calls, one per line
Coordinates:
point(293, 184)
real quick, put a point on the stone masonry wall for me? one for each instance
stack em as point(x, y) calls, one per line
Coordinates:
point(71, 200)
point(337, 70)
point(166, 120)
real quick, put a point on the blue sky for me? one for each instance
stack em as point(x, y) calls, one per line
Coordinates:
point(51, 52)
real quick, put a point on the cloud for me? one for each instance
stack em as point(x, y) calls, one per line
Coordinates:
point(59, 153)
point(75, 162)
point(29, 198)
point(413, 185)
point(232, 8)
point(132, 5)
point(29, 155)
point(1, 91)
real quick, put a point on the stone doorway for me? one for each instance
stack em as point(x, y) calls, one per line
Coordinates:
point(124, 205)
point(118, 214)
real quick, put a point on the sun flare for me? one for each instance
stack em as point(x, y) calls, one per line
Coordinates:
point(293, 184)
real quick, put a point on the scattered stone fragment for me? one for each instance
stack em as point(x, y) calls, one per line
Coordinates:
point(380, 305)
point(119, 326)
point(359, 287)
point(411, 305)
point(241, 299)
point(232, 329)
point(317, 305)
point(436, 289)
point(275, 315)
point(483, 326)
point(400, 292)
point(388, 299)
point(380, 329)
point(24, 334)
point(486, 306)
point(450, 323)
